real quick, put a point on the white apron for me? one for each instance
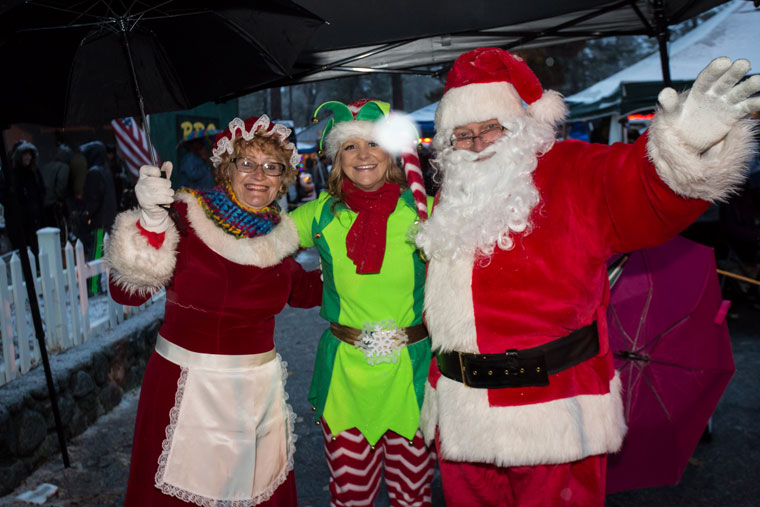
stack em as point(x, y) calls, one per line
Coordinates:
point(230, 439)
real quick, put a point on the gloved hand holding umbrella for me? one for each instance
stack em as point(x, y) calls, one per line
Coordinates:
point(154, 191)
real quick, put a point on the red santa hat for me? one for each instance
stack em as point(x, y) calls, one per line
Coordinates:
point(490, 83)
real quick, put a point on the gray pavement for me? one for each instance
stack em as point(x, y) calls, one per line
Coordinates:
point(724, 471)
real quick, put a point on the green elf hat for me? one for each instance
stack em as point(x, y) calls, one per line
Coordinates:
point(353, 120)
point(372, 120)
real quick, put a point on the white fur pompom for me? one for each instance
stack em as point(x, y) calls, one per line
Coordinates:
point(396, 134)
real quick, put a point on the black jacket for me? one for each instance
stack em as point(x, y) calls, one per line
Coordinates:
point(99, 192)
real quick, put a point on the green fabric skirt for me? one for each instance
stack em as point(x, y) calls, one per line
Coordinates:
point(350, 393)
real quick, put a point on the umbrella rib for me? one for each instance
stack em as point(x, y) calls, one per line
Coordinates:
point(108, 6)
point(644, 314)
point(142, 13)
point(63, 27)
point(263, 50)
point(657, 397)
point(79, 14)
point(656, 340)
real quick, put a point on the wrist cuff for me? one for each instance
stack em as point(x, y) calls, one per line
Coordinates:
point(155, 239)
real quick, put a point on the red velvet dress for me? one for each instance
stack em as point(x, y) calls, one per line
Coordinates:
point(214, 305)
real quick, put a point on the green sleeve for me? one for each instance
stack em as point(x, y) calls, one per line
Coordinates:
point(303, 216)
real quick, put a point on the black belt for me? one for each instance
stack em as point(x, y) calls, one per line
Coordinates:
point(521, 368)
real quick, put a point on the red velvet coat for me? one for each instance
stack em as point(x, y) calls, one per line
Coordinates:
point(595, 200)
point(222, 295)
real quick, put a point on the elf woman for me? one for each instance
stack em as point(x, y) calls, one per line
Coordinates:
point(372, 361)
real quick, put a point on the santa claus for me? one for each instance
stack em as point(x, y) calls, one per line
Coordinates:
point(523, 401)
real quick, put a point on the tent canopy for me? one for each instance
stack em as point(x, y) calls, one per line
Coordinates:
point(732, 32)
point(401, 36)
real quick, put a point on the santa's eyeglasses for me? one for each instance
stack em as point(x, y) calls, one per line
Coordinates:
point(465, 139)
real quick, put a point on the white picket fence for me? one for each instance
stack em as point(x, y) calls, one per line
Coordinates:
point(62, 294)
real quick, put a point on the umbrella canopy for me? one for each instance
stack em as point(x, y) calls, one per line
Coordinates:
point(672, 350)
point(401, 36)
point(66, 62)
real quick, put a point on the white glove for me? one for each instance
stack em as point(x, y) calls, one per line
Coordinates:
point(713, 105)
point(153, 191)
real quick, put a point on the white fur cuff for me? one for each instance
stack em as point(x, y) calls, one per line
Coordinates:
point(557, 431)
point(136, 266)
point(429, 414)
point(346, 130)
point(713, 175)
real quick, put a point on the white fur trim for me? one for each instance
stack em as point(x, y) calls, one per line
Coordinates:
point(449, 310)
point(136, 266)
point(262, 251)
point(344, 131)
point(477, 102)
point(713, 175)
point(550, 108)
point(429, 414)
point(557, 431)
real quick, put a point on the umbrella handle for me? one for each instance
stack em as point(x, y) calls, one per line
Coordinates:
point(178, 220)
point(631, 356)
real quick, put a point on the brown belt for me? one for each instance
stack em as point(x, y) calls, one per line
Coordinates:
point(350, 335)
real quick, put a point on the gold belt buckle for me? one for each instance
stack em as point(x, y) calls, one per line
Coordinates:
point(461, 369)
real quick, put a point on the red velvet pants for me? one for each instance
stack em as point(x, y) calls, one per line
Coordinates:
point(580, 483)
point(355, 469)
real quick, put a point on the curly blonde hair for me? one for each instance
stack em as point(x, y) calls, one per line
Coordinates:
point(269, 146)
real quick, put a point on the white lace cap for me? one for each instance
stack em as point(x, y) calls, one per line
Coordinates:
point(262, 127)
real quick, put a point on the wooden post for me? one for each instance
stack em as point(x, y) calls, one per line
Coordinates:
point(49, 240)
point(71, 281)
point(6, 328)
point(19, 299)
point(82, 274)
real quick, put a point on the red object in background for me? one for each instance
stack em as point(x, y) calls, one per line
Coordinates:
point(674, 360)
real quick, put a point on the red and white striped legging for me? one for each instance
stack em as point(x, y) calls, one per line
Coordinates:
point(355, 469)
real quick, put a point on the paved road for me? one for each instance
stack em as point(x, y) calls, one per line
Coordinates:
point(725, 471)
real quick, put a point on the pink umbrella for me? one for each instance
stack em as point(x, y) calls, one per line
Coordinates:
point(670, 341)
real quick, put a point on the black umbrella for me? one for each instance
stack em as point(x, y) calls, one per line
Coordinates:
point(79, 62)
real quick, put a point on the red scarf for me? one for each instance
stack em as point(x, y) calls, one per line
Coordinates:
point(365, 242)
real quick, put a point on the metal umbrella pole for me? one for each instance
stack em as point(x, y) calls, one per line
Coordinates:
point(122, 23)
point(13, 204)
point(173, 213)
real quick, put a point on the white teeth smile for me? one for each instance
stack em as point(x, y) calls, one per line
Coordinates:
point(255, 187)
point(360, 167)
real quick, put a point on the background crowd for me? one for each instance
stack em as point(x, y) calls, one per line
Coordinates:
point(78, 189)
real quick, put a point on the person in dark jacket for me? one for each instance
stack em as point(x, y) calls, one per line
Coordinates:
point(194, 170)
point(22, 222)
point(55, 176)
point(99, 198)
point(124, 184)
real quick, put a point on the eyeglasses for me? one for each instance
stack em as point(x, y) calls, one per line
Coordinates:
point(246, 165)
point(465, 139)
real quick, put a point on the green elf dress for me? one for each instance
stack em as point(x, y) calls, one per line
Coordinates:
point(351, 387)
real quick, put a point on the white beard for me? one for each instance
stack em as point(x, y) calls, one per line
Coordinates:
point(484, 203)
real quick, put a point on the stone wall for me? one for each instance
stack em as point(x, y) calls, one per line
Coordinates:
point(90, 380)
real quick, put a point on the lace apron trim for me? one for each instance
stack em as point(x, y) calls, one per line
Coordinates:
point(230, 439)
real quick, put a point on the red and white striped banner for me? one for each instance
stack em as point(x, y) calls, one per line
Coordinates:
point(133, 144)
